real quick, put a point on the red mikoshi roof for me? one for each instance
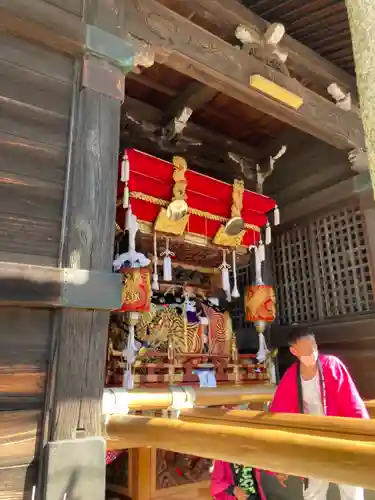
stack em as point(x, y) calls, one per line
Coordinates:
point(154, 177)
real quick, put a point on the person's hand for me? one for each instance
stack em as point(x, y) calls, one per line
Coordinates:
point(240, 494)
point(282, 479)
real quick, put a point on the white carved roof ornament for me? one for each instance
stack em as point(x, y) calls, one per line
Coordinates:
point(342, 99)
point(265, 46)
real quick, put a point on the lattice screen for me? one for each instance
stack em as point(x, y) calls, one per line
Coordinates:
point(322, 270)
point(295, 277)
point(344, 273)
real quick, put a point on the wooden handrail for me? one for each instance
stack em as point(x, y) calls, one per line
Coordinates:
point(331, 448)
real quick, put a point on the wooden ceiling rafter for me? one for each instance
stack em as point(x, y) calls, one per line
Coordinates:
point(195, 52)
point(179, 111)
point(204, 148)
point(226, 15)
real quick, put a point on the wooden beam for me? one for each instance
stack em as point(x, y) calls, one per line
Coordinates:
point(226, 15)
point(27, 285)
point(332, 332)
point(194, 51)
point(142, 112)
point(45, 23)
point(339, 457)
point(194, 96)
point(321, 200)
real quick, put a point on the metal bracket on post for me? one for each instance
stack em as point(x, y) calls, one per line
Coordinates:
point(75, 469)
point(115, 402)
point(182, 398)
point(111, 48)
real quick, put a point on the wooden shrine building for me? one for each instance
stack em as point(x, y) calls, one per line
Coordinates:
point(263, 92)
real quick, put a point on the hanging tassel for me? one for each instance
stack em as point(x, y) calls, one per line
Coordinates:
point(167, 262)
point(125, 168)
point(235, 292)
point(155, 279)
point(225, 279)
point(261, 251)
point(125, 174)
point(268, 234)
point(276, 216)
point(263, 351)
point(225, 283)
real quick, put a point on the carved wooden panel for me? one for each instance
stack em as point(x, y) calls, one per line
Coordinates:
point(176, 469)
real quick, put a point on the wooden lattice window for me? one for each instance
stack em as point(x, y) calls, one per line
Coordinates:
point(343, 267)
point(322, 270)
point(295, 277)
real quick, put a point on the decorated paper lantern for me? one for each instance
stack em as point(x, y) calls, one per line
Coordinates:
point(136, 291)
point(260, 303)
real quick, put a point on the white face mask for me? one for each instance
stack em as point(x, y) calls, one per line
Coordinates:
point(309, 360)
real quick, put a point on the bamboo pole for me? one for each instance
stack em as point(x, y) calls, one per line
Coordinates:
point(117, 400)
point(341, 459)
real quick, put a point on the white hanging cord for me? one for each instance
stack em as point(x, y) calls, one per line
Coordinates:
point(155, 279)
point(235, 292)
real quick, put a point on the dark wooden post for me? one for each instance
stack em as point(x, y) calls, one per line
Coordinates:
point(76, 467)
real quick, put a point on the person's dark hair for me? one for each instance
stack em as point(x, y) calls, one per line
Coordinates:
point(299, 332)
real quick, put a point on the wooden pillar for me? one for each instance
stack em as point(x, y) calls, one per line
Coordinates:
point(362, 18)
point(88, 234)
point(88, 229)
point(142, 473)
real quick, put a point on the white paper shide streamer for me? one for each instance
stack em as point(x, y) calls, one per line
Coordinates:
point(235, 292)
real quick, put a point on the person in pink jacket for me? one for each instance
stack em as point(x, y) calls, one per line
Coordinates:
point(233, 481)
point(318, 385)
